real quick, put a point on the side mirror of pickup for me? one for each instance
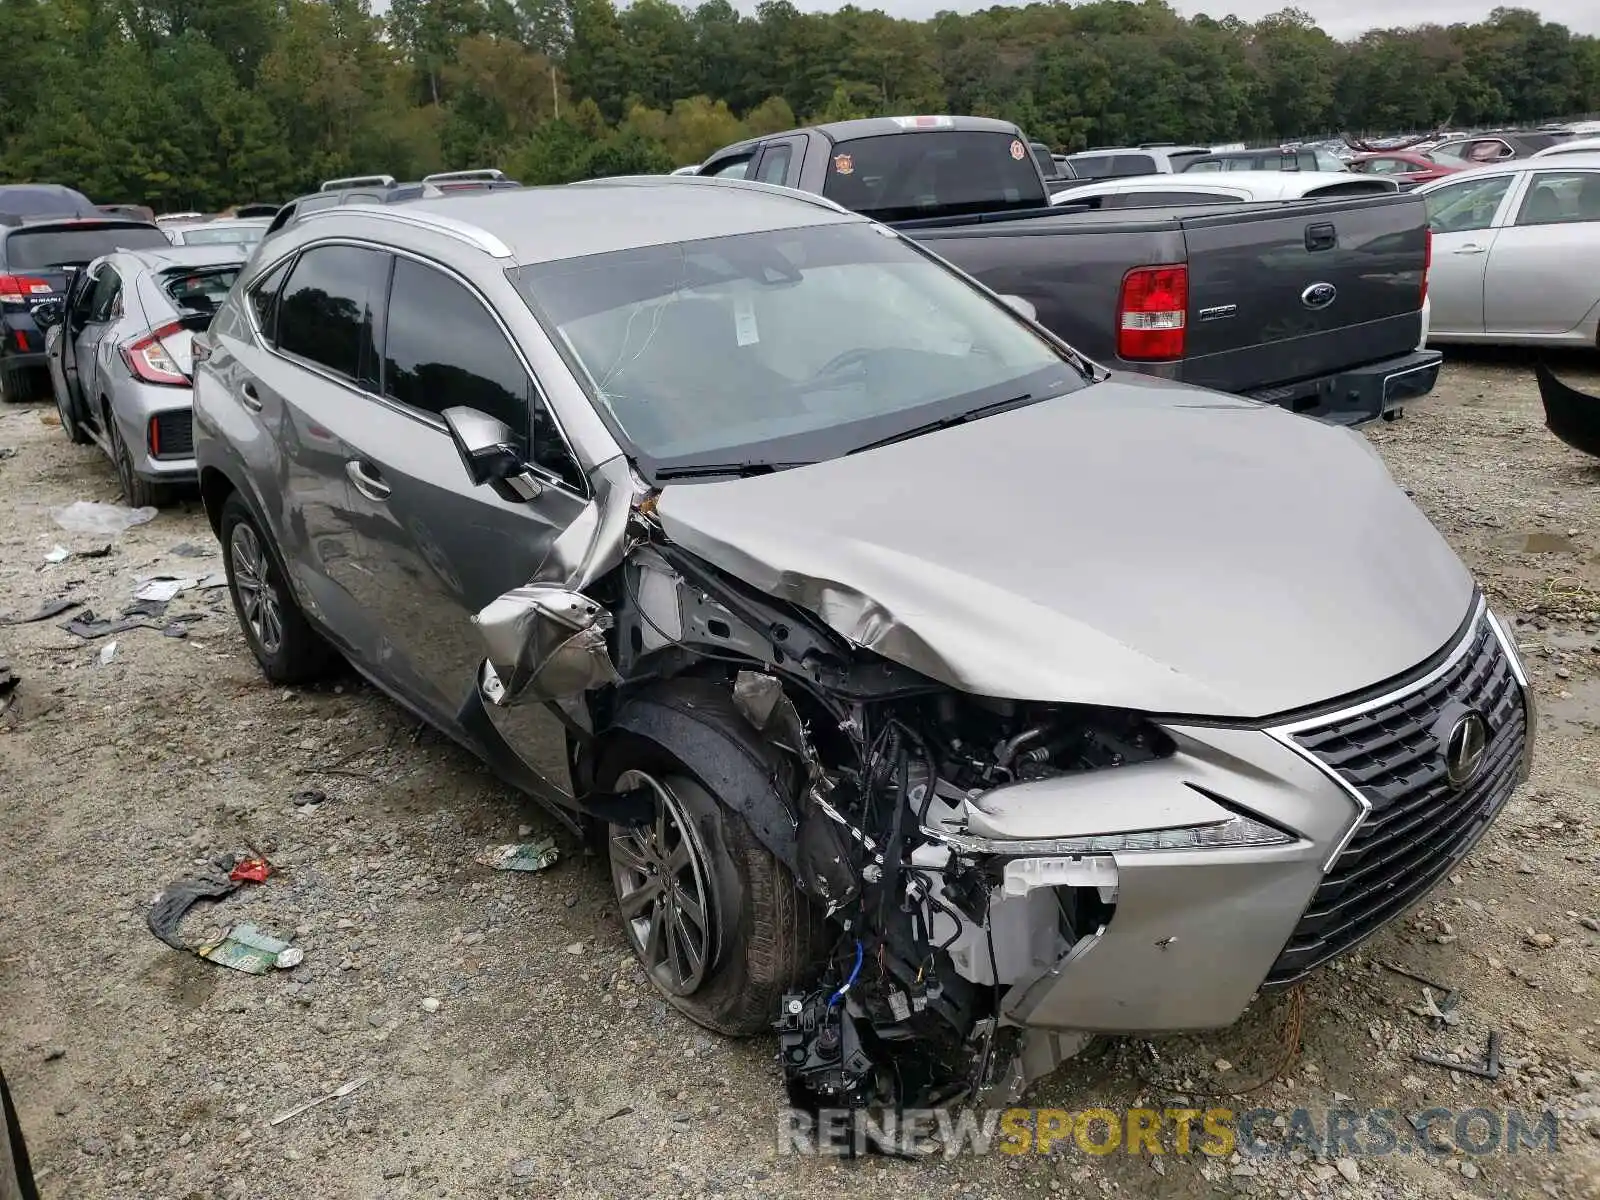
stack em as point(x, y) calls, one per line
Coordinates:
point(49, 313)
point(1022, 307)
point(490, 453)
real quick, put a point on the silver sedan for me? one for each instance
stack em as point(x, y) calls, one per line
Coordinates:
point(1516, 253)
point(119, 349)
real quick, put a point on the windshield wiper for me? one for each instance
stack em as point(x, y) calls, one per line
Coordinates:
point(740, 470)
point(960, 418)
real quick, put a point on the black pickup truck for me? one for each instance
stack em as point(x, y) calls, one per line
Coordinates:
point(1312, 305)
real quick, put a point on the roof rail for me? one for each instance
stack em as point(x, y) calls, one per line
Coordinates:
point(334, 185)
point(749, 185)
point(463, 231)
point(478, 175)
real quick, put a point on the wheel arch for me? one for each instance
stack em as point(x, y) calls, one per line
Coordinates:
point(692, 724)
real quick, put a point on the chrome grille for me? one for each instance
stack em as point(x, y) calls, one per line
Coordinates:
point(1418, 826)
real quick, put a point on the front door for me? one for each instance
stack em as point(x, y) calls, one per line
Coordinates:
point(438, 549)
point(1462, 217)
point(92, 296)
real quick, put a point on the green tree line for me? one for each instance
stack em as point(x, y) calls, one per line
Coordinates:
point(206, 103)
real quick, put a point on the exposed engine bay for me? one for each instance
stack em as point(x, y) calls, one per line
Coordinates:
point(867, 803)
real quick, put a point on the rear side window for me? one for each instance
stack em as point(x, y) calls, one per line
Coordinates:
point(199, 291)
point(1132, 164)
point(443, 349)
point(41, 249)
point(1092, 166)
point(264, 301)
point(325, 314)
point(900, 177)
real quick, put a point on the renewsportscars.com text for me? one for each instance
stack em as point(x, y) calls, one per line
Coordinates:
point(1213, 1132)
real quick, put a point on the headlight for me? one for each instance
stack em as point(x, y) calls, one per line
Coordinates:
point(1235, 831)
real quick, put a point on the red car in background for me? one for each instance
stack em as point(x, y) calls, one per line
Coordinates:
point(1409, 166)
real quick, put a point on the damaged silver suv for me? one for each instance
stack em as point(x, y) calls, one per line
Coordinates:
point(943, 698)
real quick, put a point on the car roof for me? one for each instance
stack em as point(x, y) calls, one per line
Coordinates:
point(545, 224)
point(1515, 166)
point(164, 258)
point(224, 222)
point(1583, 145)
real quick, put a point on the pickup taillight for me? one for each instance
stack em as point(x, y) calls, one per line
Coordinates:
point(1152, 313)
point(1427, 260)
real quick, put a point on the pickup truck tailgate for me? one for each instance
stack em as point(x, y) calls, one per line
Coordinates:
point(1280, 293)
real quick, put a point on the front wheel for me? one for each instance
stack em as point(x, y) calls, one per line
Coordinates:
point(718, 924)
point(280, 637)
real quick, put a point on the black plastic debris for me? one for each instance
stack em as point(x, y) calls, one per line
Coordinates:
point(179, 896)
point(8, 679)
point(50, 608)
point(90, 627)
point(190, 550)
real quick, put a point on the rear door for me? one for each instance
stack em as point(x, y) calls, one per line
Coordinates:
point(1279, 294)
point(1543, 272)
point(436, 549)
point(307, 390)
point(1464, 216)
point(90, 343)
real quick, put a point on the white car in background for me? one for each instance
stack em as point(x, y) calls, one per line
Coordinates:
point(1231, 187)
point(1516, 252)
point(1583, 145)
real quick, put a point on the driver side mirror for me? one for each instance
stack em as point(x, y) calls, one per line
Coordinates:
point(1022, 307)
point(51, 312)
point(490, 454)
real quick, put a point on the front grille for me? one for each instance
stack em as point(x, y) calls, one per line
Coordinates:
point(1419, 826)
point(174, 434)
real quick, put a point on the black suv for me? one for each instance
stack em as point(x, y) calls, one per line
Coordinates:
point(47, 232)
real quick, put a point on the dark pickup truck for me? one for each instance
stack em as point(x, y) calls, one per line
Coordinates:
point(1312, 305)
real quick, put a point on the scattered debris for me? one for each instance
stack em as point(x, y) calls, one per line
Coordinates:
point(165, 588)
point(89, 627)
point(107, 653)
point(8, 452)
point(1445, 1012)
point(92, 517)
point(338, 1093)
point(430, 1004)
point(310, 798)
point(50, 608)
point(245, 948)
point(178, 897)
point(528, 856)
point(1489, 1070)
point(251, 870)
point(8, 679)
point(191, 550)
point(58, 554)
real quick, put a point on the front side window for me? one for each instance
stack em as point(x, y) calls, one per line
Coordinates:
point(1561, 198)
point(775, 165)
point(737, 169)
point(443, 349)
point(786, 346)
point(325, 314)
point(1463, 207)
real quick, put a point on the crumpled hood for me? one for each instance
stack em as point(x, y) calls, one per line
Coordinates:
point(1137, 544)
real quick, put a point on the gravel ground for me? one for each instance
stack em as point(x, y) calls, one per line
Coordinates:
point(510, 1045)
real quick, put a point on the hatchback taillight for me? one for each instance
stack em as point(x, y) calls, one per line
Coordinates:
point(1152, 313)
point(150, 361)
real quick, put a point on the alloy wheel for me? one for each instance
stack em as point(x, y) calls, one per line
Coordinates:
point(663, 891)
point(259, 602)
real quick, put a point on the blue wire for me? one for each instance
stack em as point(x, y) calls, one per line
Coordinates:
point(848, 983)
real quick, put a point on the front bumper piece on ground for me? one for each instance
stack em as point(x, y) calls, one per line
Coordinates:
point(1368, 824)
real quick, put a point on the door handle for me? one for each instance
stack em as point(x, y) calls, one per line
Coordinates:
point(1321, 237)
point(249, 396)
point(1468, 250)
point(366, 479)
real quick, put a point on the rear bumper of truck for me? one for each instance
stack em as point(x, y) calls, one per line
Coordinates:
point(1359, 394)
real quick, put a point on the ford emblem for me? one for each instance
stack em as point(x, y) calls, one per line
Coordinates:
point(1319, 295)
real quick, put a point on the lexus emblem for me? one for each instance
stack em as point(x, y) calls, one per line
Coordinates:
point(1319, 295)
point(1464, 750)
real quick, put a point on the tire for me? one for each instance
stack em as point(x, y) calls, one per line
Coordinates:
point(17, 387)
point(137, 492)
point(280, 637)
point(762, 937)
